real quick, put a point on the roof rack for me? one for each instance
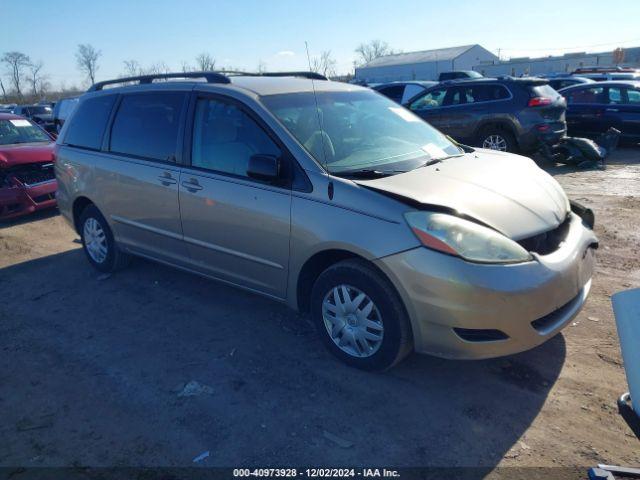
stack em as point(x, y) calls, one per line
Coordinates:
point(302, 74)
point(210, 77)
point(309, 75)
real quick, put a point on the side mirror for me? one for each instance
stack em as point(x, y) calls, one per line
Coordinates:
point(264, 167)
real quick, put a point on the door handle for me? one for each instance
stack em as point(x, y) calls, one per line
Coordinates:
point(166, 179)
point(613, 109)
point(192, 185)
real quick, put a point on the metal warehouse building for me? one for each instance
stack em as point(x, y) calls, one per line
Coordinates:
point(424, 65)
point(556, 64)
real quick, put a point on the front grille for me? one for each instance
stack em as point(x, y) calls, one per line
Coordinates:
point(547, 242)
point(30, 174)
point(480, 334)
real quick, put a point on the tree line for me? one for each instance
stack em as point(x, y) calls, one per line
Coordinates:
point(26, 80)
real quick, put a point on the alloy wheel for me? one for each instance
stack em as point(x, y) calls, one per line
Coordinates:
point(495, 142)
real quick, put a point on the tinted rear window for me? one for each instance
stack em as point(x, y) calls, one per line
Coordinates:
point(147, 124)
point(89, 122)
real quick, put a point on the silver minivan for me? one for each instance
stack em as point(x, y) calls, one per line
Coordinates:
point(333, 199)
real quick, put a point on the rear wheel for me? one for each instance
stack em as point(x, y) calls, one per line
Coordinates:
point(360, 317)
point(497, 138)
point(98, 242)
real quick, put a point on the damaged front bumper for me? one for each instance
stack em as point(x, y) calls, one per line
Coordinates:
point(464, 310)
point(18, 198)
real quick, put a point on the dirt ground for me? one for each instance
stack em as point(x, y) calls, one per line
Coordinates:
point(93, 369)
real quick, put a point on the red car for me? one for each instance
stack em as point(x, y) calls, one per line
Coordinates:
point(27, 180)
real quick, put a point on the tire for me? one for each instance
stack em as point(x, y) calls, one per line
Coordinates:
point(92, 223)
point(498, 136)
point(387, 311)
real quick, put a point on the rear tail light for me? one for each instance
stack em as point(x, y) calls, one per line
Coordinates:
point(540, 101)
point(543, 128)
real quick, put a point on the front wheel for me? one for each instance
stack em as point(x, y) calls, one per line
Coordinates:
point(360, 317)
point(98, 242)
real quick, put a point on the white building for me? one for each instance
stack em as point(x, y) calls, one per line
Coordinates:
point(424, 65)
point(556, 64)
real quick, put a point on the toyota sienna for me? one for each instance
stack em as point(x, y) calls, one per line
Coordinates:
point(333, 199)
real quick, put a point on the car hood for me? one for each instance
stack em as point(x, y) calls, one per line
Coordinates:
point(12, 155)
point(507, 192)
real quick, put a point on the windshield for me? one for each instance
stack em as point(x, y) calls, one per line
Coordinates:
point(361, 130)
point(20, 130)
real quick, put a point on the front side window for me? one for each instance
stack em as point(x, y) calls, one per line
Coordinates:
point(89, 122)
point(225, 138)
point(146, 125)
point(432, 99)
point(615, 95)
point(20, 130)
point(359, 130)
point(460, 96)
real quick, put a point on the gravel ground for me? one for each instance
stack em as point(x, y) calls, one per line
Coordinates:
point(152, 367)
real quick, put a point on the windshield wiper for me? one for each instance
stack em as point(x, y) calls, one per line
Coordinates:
point(433, 161)
point(369, 173)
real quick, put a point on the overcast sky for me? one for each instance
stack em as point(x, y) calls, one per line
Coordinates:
point(242, 33)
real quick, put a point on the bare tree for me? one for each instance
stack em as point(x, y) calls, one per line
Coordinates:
point(262, 67)
point(87, 60)
point(324, 64)
point(205, 62)
point(16, 62)
point(36, 79)
point(157, 69)
point(372, 50)
point(132, 68)
point(185, 67)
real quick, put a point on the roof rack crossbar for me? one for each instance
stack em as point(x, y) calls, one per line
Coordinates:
point(210, 77)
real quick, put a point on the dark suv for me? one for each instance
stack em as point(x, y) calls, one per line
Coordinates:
point(508, 114)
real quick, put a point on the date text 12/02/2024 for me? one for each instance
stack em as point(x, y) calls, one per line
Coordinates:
point(316, 472)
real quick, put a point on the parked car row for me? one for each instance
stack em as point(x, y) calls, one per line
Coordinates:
point(507, 114)
point(49, 115)
point(521, 114)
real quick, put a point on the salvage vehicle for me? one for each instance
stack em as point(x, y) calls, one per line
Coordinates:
point(27, 180)
point(402, 92)
point(506, 113)
point(40, 114)
point(592, 109)
point(333, 199)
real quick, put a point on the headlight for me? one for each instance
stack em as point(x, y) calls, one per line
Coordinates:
point(465, 239)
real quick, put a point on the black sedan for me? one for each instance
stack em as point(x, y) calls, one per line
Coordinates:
point(593, 108)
